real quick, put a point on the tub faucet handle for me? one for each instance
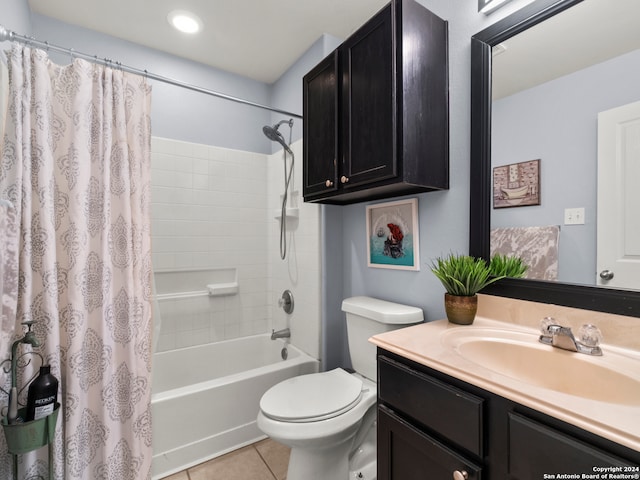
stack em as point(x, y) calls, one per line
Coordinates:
point(286, 301)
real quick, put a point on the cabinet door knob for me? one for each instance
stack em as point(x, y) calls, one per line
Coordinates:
point(344, 179)
point(329, 183)
point(460, 475)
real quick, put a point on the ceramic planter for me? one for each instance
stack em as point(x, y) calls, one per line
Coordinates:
point(460, 310)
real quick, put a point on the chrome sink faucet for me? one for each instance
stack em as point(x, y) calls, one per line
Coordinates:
point(284, 333)
point(562, 337)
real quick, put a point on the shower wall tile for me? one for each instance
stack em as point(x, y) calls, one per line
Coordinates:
point(208, 211)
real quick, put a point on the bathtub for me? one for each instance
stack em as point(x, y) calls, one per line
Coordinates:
point(206, 398)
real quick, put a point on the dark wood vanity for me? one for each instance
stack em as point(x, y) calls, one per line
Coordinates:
point(431, 425)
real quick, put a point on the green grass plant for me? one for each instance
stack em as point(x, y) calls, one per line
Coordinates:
point(507, 266)
point(463, 275)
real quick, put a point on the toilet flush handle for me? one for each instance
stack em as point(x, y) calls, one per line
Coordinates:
point(460, 475)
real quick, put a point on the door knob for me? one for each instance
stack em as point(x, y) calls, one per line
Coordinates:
point(328, 183)
point(460, 475)
point(344, 179)
point(606, 274)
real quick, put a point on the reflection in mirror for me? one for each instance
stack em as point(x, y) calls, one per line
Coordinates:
point(549, 85)
point(545, 82)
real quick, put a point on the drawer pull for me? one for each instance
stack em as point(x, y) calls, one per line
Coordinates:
point(460, 475)
point(328, 183)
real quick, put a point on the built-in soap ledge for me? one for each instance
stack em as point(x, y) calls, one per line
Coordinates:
point(220, 289)
point(290, 213)
point(192, 283)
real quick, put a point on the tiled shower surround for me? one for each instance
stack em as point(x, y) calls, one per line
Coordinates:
point(213, 211)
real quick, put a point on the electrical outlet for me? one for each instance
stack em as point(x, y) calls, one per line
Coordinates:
point(574, 216)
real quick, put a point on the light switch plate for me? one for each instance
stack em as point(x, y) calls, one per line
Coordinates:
point(574, 216)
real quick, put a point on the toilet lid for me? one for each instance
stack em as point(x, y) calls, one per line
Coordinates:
point(313, 397)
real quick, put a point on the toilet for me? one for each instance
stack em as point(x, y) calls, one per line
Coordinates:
point(328, 418)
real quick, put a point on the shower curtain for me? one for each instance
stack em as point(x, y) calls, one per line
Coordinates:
point(76, 168)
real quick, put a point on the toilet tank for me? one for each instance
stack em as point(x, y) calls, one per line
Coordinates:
point(367, 316)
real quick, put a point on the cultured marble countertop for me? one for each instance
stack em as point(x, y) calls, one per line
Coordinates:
point(617, 422)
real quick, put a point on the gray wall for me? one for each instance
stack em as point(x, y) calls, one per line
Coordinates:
point(16, 16)
point(557, 123)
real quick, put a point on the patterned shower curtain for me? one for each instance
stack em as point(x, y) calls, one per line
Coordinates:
point(76, 168)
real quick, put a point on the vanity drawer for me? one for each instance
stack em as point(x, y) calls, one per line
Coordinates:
point(448, 411)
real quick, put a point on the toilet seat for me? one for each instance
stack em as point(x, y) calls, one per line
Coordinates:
point(313, 397)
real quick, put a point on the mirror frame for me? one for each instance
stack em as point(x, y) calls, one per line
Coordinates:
point(621, 302)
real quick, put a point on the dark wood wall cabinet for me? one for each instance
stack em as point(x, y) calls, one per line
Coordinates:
point(431, 425)
point(376, 111)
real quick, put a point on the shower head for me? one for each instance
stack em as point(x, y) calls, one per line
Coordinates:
point(274, 135)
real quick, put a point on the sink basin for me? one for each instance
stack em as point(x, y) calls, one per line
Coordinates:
point(612, 378)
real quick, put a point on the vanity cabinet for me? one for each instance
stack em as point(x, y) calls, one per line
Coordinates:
point(431, 425)
point(376, 111)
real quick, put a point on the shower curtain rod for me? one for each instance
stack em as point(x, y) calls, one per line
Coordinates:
point(13, 36)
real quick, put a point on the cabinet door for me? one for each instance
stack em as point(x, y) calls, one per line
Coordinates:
point(320, 132)
point(368, 103)
point(406, 453)
point(537, 451)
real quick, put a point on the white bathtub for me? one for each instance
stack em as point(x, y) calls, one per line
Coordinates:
point(206, 398)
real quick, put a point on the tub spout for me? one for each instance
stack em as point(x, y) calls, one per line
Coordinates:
point(284, 333)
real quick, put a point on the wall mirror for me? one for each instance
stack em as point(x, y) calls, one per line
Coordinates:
point(538, 101)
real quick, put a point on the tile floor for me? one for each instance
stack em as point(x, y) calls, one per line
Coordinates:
point(264, 460)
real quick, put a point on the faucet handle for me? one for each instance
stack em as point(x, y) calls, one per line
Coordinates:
point(545, 323)
point(286, 301)
point(590, 335)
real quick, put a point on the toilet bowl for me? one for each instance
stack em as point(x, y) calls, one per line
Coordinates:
point(328, 418)
point(328, 410)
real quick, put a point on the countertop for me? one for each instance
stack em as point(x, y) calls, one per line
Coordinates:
point(422, 343)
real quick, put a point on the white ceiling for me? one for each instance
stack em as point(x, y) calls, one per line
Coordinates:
point(259, 39)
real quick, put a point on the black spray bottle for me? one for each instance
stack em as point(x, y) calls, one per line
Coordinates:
point(42, 394)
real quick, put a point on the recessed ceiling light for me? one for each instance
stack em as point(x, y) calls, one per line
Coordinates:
point(184, 21)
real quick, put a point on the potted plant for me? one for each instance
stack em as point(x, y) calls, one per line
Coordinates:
point(463, 277)
point(507, 266)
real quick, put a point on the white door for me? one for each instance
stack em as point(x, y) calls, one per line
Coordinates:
point(619, 197)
